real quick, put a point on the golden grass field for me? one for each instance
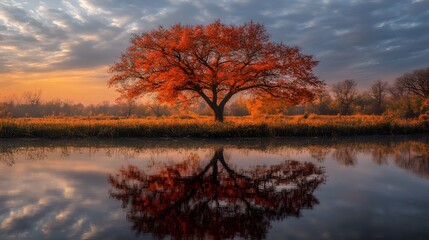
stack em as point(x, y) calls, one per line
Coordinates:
point(205, 127)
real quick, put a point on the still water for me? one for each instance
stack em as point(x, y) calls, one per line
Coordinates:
point(297, 188)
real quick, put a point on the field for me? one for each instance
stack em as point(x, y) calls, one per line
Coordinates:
point(205, 127)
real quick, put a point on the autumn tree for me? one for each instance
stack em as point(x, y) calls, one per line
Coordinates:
point(402, 102)
point(191, 200)
point(260, 107)
point(322, 104)
point(214, 62)
point(346, 94)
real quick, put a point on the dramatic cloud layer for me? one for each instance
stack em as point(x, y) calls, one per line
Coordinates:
point(360, 39)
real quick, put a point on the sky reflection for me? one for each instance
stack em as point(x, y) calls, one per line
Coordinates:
point(375, 188)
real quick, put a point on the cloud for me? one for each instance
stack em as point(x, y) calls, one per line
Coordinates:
point(364, 40)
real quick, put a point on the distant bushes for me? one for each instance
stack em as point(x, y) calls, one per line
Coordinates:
point(204, 127)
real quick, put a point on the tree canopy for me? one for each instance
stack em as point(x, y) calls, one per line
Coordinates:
point(346, 94)
point(416, 82)
point(214, 62)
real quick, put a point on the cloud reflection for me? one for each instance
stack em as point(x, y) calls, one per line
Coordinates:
point(58, 189)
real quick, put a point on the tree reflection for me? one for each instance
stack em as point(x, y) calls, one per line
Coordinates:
point(7, 157)
point(319, 152)
point(188, 200)
point(410, 154)
point(380, 153)
point(346, 155)
point(413, 157)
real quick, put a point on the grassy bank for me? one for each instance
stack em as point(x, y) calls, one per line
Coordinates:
point(204, 127)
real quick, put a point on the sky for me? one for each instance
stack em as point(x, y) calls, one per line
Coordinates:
point(64, 48)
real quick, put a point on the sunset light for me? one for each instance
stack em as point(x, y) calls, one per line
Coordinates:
point(80, 86)
point(217, 120)
point(42, 41)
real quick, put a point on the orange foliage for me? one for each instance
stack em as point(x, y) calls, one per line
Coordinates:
point(214, 62)
point(266, 106)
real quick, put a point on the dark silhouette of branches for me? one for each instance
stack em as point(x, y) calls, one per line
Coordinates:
point(187, 200)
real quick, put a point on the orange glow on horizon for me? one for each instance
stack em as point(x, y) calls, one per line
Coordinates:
point(88, 86)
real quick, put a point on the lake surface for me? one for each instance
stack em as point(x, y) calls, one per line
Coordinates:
point(297, 188)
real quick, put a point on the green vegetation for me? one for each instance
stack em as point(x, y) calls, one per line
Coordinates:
point(204, 127)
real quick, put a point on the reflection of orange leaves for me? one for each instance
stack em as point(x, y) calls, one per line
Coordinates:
point(186, 200)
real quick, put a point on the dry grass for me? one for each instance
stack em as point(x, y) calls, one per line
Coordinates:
point(204, 127)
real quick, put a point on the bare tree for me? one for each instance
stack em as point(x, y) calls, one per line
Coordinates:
point(32, 98)
point(3, 110)
point(128, 104)
point(346, 94)
point(416, 82)
point(159, 109)
point(322, 104)
point(378, 92)
point(104, 107)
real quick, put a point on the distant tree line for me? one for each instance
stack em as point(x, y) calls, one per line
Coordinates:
point(407, 97)
point(30, 104)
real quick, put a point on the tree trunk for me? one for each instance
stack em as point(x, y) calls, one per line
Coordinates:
point(218, 112)
point(213, 103)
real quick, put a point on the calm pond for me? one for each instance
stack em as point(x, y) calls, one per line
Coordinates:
point(297, 188)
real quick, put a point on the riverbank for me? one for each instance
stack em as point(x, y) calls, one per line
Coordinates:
point(204, 127)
